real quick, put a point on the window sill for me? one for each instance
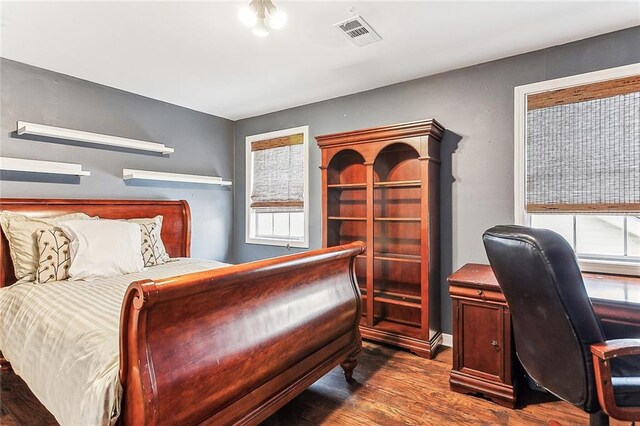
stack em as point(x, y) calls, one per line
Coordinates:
point(277, 242)
point(609, 267)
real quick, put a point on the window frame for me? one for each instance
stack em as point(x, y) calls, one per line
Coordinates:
point(250, 217)
point(521, 217)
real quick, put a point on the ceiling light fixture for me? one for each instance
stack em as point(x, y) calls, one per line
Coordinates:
point(261, 15)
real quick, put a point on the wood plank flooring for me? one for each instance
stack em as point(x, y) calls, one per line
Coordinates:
point(392, 387)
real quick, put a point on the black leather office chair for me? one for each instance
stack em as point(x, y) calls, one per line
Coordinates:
point(559, 339)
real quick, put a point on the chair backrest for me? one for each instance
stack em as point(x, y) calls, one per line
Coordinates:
point(553, 320)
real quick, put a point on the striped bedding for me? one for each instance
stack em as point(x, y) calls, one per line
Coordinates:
point(62, 339)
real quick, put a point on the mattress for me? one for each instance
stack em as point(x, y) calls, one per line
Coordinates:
point(62, 338)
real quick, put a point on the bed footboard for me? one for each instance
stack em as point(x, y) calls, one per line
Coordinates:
point(232, 345)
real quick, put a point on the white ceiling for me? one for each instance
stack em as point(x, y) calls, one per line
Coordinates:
point(198, 54)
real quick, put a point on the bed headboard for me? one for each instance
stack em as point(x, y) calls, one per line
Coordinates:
point(176, 225)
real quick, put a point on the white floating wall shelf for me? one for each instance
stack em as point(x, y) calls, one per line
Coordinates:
point(37, 166)
point(26, 128)
point(173, 177)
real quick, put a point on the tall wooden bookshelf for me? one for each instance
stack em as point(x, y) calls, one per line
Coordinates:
point(380, 186)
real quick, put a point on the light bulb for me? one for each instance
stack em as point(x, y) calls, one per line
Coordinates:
point(277, 19)
point(247, 16)
point(260, 29)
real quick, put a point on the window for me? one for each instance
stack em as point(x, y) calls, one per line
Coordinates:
point(277, 188)
point(608, 238)
point(577, 164)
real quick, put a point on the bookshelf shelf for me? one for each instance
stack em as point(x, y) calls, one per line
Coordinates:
point(348, 185)
point(398, 184)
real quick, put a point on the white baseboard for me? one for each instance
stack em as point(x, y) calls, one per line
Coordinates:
point(447, 340)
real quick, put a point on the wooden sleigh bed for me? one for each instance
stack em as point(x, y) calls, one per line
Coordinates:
point(174, 331)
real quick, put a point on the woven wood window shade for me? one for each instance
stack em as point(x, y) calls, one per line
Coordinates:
point(583, 148)
point(278, 174)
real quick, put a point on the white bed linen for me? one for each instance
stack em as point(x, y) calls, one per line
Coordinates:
point(62, 338)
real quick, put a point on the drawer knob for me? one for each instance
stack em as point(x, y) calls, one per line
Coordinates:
point(480, 292)
point(494, 343)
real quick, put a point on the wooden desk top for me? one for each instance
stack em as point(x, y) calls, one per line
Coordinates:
point(608, 288)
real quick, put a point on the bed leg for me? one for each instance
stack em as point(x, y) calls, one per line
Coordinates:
point(348, 366)
point(4, 364)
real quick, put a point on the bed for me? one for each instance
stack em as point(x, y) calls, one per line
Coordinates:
point(228, 345)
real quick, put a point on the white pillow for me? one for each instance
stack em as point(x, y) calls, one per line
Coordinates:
point(20, 233)
point(103, 248)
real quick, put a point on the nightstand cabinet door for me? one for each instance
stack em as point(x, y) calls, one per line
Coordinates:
point(481, 340)
point(483, 350)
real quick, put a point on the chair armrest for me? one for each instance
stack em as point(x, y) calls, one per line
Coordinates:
point(615, 348)
point(602, 353)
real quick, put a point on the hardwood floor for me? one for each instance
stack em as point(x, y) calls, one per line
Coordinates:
point(391, 387)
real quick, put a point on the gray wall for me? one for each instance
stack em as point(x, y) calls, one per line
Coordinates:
point(475, 104)
point(203, 145)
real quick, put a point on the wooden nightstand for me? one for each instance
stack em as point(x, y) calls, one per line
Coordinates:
point(483, 350)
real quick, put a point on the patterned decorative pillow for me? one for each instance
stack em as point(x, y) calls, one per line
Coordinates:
point(55, 256)
point(153, 250)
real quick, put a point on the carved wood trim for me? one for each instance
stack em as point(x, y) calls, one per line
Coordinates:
point(377, 134)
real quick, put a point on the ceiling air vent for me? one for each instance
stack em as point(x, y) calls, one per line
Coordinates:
point(358, 31)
